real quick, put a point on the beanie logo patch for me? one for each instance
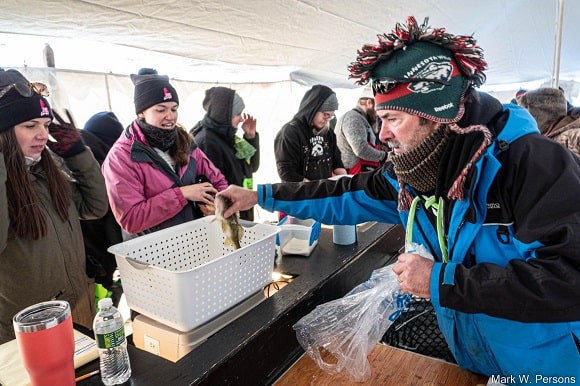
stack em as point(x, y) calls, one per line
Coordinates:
point(434, 88)
point(44, 111)
point(433, 67)
point(167, 94)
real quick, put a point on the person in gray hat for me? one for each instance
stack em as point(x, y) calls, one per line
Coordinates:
point(549, 108)
point(305, 148)
point(237, 157)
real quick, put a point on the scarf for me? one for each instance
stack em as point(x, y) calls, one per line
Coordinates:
point(30, 162)
point(244, 149)
point(418, 167)
point(430, 161)
point(156, 137)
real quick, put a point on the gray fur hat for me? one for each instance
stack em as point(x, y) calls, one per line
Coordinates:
point(546, 105)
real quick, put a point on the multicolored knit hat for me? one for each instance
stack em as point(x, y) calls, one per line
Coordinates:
point(425, 72)
point(420, 71)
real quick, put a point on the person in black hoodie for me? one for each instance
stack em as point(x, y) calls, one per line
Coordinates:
point(237, 158)
point(99, 134)
point(305, 147)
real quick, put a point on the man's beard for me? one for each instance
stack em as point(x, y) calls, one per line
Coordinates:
point(371, 116)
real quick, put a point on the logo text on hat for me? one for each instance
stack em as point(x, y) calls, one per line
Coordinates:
point(167, 94)
point(444, 107)
point(44, 111)
point(437, 67)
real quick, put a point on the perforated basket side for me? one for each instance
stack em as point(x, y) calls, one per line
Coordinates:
point(177, 248)
point(183, 292)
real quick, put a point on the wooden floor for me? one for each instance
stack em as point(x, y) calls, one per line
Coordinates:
point(389, 366)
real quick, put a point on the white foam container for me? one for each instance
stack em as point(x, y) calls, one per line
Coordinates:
point(184, 276)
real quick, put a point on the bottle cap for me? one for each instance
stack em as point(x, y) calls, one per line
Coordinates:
point(105, 303)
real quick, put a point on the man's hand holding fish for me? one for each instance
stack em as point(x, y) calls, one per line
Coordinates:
point(239, 199)
point(231, 227)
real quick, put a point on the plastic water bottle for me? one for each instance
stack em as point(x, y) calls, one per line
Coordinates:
point(110, 337)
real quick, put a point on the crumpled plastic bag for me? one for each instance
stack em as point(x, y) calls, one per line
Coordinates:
point(339, 335)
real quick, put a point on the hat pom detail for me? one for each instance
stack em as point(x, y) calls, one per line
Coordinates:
point(466, 52)
point(147, 71)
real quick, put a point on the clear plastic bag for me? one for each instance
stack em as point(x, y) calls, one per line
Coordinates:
point(339, 335)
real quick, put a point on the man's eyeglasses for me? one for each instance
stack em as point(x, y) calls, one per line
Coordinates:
point(26, 89)
point(386, 85)
point(327, 115)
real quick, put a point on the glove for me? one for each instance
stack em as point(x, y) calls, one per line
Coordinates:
point(68, 140)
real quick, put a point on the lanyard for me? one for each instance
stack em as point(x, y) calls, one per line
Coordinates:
point(430, 202)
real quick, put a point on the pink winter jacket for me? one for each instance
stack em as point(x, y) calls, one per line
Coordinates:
point(143, 189)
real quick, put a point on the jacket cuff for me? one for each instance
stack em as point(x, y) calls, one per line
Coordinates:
point(265, 199)
point(442, 274)
point(434, 284)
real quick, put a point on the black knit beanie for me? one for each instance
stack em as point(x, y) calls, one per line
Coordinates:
point(105, 126)
point(16, 108)
point(151, 89)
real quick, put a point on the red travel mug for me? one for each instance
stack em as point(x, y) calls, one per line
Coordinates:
point(45, 337)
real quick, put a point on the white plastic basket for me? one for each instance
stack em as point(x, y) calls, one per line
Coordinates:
point(184, 276)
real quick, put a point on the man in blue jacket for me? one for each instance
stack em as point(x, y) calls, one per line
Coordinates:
point(473, 181)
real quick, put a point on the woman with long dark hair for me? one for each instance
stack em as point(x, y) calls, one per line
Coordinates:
point(41, 243)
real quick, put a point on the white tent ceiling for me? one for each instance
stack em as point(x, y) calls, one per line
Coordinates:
point(311, 41)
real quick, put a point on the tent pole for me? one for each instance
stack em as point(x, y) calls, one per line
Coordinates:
point(558, 41)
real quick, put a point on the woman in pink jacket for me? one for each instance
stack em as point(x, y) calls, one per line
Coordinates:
point(156, 175)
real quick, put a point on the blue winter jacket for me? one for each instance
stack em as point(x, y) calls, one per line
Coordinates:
point(508, 299)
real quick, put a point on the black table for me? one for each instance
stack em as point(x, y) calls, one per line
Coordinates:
point(259, 346)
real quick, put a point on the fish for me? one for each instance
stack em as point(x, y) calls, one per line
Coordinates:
point(231, 227)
